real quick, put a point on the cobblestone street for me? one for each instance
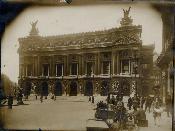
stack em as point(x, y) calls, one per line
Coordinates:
point(68, 113)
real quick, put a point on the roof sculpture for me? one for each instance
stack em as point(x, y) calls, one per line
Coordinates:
point(124, 35)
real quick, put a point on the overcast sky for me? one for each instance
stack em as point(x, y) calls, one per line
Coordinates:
point(73, 19)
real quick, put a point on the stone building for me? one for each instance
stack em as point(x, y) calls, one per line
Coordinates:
point(83, 63)
point(166, 61)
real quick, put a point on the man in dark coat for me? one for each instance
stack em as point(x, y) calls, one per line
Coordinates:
point(148, 103)
point(168, 103)
point(130, 103)
point(10, 101)
point(92, 99)
point(135, 103)
point(112, 100)
point(19, 97)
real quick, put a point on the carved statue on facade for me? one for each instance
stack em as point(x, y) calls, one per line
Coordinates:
point(126, 12)
point(126, 20)
point(34, 30)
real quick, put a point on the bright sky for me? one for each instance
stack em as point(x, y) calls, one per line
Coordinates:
point(73, 19)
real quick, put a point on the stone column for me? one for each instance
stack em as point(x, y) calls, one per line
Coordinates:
point(39, 68)
point(65, 63)
point(50, 66)
point(117, 63)
point(26, 70)
point(121, 66)
point(68, 65)
point(20, 66)
point(53, 66)
point(83, 66)
point(129, 66)
point(77, 67)
point(96, 65)
point(80, 65)
point(33, 66)
point(113, 63)
point(99, 64)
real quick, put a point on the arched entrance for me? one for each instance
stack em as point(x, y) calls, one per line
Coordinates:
point(73, 88)
point(88, 88)
point(104, 88)
point(44, 88)
point(27, 88)
point(125, 88)
point(58, 88)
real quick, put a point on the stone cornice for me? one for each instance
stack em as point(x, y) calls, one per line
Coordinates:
point(106, 38)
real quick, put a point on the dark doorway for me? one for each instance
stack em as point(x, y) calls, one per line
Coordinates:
point(27, 88)
point(73, 88)
point(88, 88)
point(58, 88)
point(44, 89)
point(104, 88)
point(125, 88)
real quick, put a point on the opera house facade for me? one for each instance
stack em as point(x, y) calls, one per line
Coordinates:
point(86, 63)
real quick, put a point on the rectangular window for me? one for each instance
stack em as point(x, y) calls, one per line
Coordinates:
point(59, 69)
point(29, 70)
point(74, 69)
point(89, 68)
point(125, 66)
point(106, 67)
point(46, 69)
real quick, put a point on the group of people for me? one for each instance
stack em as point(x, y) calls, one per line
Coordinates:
point(91, 99)
point(124, 119)
point(140, 105)
point(102, 105)
point(147, 102)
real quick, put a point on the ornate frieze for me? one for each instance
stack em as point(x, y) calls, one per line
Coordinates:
point(59, 59)
point(106, 56)
point(45, 59)
point(73, 58)
point(90, 57)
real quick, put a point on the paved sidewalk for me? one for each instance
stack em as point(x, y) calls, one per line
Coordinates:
point(67, 112)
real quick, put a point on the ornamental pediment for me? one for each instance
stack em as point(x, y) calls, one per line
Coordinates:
point(73, 58)
point(128, 37)
point(45, 59)
point(90, 57)
point(59, 59)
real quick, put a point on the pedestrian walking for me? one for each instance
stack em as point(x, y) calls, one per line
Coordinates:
point(168, 103)
point(19, 97)
point(89, 98)
point(143, 99)
point(10, 101)
point(130, 102)
point(41, 98)
point(35, 90)
point(138, 101)
point(92, 99)
point(112, 101)
point(157, 110)
point(148, 103)
point(135, 103)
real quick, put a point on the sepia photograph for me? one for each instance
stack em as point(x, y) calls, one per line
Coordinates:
point(79, 65)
